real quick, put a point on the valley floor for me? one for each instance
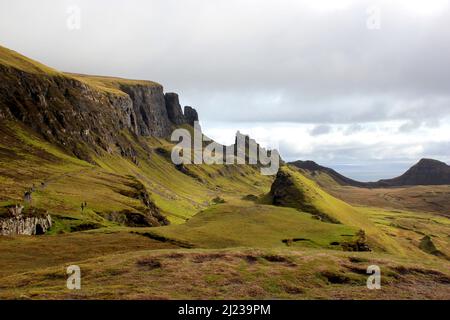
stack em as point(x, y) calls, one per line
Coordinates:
point(230, 251)
point(157, 270)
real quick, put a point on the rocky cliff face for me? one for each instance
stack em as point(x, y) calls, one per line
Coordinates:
point(65, 111)
point(174, 109)
point(190, 115)
point(16, 223)
point(149, 107)
point(21, 225)
point(175, 112)
point(79, 117)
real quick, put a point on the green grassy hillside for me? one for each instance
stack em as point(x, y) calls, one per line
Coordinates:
point(305, 194)
point(63, 182)
point(218, 244)
point(244, 224)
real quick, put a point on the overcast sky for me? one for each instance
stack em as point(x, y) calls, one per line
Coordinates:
point(361, 86)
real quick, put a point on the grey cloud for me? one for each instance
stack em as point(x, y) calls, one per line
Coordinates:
point(265, 61)
point(242, 60)
point(439, 150)
point(353, 128)
point(409, 126)
point(320, 130)
point(412, 125)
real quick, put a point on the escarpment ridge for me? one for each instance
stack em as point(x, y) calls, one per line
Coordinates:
point(80, 112)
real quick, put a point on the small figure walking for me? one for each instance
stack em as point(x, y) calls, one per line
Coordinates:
point(82, 207)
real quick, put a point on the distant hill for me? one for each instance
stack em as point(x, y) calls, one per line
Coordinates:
point(313, 169)
point(425, 172)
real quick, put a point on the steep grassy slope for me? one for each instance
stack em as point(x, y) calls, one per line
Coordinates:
point(113, 125)
point(292, 189)
point(62, 182)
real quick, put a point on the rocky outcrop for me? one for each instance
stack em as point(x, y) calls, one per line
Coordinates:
point(285, 192)
point(175, 113)
point(173, 107)
point(136, 219)
point(16, 223)
point(191, 115)
point(149, 215)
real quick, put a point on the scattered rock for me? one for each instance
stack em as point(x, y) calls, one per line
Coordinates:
point(149, 263)
point(427, 245)
point(278, 259)
point(250, 197)
point(85, 226)
point(359, 244)
point(218, 200)
point(289, 242)
point(335, 277)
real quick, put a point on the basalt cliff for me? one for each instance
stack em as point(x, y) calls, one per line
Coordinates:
point(80, 113)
